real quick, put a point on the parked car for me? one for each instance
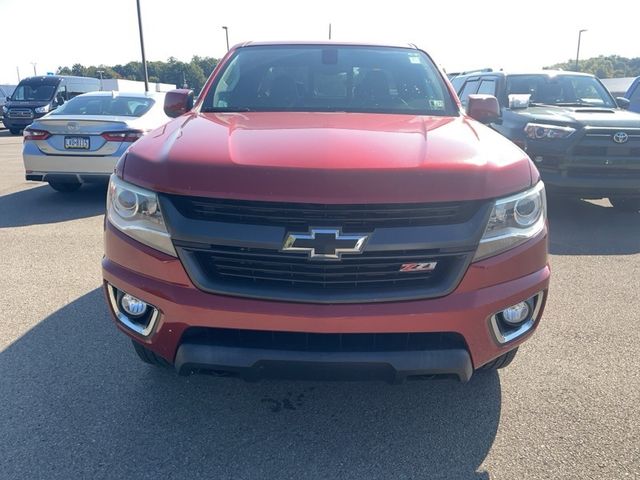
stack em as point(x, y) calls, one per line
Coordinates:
point(5, 92)
point(580, 139)
point(326, 208)
point(633, 95)
point(82, 140)
point(34, 97)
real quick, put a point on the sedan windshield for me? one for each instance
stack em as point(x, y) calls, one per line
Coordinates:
point(562, 90)
point(34, 92)
point(106, 105)
point(330, 79)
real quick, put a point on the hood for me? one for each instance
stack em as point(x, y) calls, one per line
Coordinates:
point(27, 103)
point(582, 116)
point(327, 158)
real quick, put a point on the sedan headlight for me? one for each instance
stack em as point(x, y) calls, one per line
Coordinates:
point(4, 110)
point(513, 221)
point(135, 211)
point(537, 131)
point(44, 109)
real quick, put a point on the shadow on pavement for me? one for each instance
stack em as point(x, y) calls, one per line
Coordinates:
point(42, 205)
point(77, 403)
point(583, 228)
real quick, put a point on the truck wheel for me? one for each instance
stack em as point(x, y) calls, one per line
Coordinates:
point(14, 131)
point(625, 204)
point(65, 187)
point(500, 362)
point(147, 356)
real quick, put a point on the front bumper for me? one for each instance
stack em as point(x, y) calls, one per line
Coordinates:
point(487, 287)
point(597, 186)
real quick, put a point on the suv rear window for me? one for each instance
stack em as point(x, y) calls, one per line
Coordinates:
point(328, 78)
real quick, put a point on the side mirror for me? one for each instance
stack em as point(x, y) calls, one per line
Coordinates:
point(59, 100)
point(623, 102)
point(519, 100)
point(178, 102)
point(8, 99)
point(483, 108)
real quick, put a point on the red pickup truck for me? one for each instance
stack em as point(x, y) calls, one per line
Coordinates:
point(326, 209)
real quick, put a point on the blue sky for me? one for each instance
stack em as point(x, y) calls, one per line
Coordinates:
point(460, 35)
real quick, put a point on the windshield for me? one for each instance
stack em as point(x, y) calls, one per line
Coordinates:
point(106, 105)
point(333, 79)
point(34, 92)
point(563, 90)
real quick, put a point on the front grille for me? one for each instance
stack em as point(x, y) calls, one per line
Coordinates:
point(296, 271)
point(605, 152)
point(323, 342)
point(302, 215)
point(20, 113)
point(606, 171)
point(233, 247)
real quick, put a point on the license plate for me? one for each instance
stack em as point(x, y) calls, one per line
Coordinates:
point(76, 143)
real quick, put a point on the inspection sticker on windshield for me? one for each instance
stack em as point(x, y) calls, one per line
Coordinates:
point(436, 104)
point(414, 58)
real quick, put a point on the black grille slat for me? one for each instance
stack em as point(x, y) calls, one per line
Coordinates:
point(323, 342)
point(296, 215)
point(380, 269)
point(324, 282)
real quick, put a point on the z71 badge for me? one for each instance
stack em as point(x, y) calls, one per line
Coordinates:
point(418, 267)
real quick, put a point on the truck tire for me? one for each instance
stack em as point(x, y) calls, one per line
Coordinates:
point(65, 187)
point(625, 204)
point(500, 362)
point(14, 131)
point(147, 356)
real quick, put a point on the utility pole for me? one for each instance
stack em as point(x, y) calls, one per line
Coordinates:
point(226, 33)
point(144, 58)
point(34, 67)
point(578, 52)
point(18, 71)
point(329, 31)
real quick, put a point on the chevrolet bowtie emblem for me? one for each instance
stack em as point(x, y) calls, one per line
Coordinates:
point(324, 243)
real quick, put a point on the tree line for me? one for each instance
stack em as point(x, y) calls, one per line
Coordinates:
point(193, 74)
point(611, 66)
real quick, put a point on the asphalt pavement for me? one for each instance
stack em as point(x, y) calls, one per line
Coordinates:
point(75, 402)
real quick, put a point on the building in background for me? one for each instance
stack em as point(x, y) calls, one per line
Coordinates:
point(121, 85)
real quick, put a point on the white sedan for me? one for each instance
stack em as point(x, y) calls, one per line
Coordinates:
point(82, 140)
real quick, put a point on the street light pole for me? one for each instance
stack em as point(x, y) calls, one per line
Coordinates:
point(578, 52)
point(34, 67)
point(329, 31)
point(100, 72)
point(144, 58)
point(226, 33)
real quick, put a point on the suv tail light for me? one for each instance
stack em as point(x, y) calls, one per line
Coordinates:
point(125, 136)
point(28, 134)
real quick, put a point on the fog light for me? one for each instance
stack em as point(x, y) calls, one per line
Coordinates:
point(516, 314)
point(133, 306)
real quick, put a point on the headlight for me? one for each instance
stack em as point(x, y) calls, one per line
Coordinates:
point(537, 131)
point(44, 109)
point(135, 212)
point(513, 221)
point(4, 109)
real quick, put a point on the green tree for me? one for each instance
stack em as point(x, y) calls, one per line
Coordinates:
point(611, 66)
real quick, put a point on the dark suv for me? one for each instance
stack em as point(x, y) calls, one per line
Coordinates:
point(580, 139)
